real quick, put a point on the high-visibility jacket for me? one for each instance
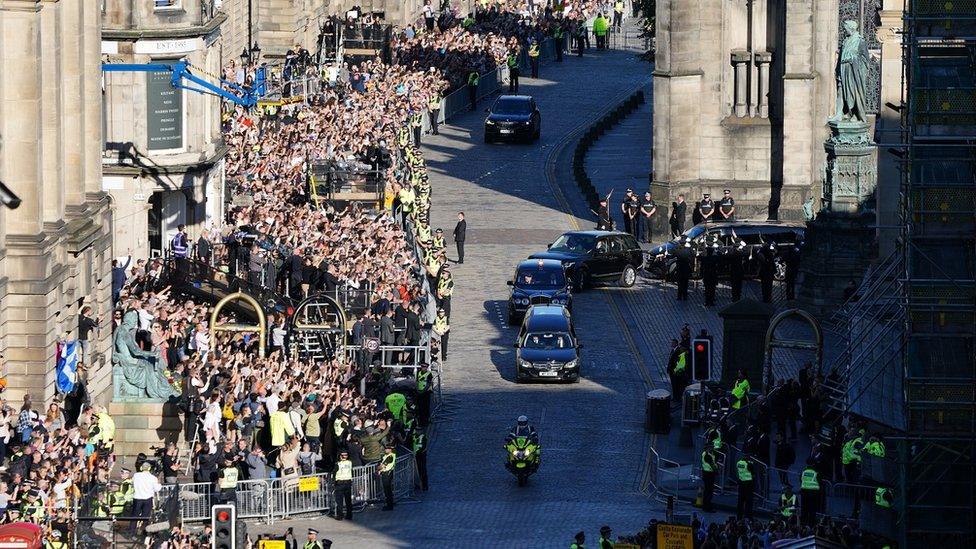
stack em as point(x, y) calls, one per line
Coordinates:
point(717, 441)
point(228, 480)
point(682, 362)
point(618, 7)
point(281, 428)
point(533, 50)
point(106, 430)
point(416, 121)
point(406, 197)
point(343, 470)
point(474, 78)
point(339, 427)
point(396, 403)
point(708, 462)
point(434, 103)
point(851, 451)
point(600, 26)
point(875, 448)
point(438, 242)
point(468, 21)
point(312, 545)
point(423, 232)
point(388, 463)
point(741, 393)
point(423, 380)
point(128, 492)
point(419, 442)
point(882, 497)
point(440, 325)
point(513, 62)
point(116, 502)
point(743, 471)
point(445, 286)
point(787, 505)
point(809, 480)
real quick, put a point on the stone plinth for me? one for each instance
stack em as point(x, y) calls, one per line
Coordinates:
point(744, 325)
point(851, 174)
point(140, 424)
point(838, 248)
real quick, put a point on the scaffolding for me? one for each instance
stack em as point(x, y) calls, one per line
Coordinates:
point(936, 488)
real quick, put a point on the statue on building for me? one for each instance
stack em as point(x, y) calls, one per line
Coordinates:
point(852, 75)
point(142, 372)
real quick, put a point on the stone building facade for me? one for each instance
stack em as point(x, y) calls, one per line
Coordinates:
point(56, 248)
point(742, 93)
point(163, 151)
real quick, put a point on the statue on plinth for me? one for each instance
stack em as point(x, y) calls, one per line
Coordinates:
point(852, 76)
point(142, 372)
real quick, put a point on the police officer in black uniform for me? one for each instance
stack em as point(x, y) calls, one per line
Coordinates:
point(625, 210)
point(603, 223)
point(647, 211)
point(792, 260)
point(736, 258)
point(706, 208)
point(726, 206)
point(767, 271)
point(685, 256)
point(632, 212)
point(709, 270)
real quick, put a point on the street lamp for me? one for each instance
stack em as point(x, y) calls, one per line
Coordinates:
point(245, 56)
point(255, 52)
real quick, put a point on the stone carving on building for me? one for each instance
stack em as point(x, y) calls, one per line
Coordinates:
point(852, 73)
point(138, 374)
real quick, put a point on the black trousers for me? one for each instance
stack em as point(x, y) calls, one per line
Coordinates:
point(434, 114)
point(682, 288)
point(710, 286)
point(343, 498)
point(743, 504)
point(648, 226)
point(767, 289)
point(736, 283)
point(387, 479)
point(417, 130)
point(460, 250)
point(534, 63)
point(420, 458)
point(628, 224)
point(141, 508)
point(513, 75)
point(579, 46)
point(809, 506)
point(430, 24)
point(708, 490)
point(473, 96)
point(559, 49)
point(444, 346)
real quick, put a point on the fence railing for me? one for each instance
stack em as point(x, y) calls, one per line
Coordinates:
point(279, 498)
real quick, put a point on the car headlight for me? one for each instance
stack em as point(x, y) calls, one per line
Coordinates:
point(521, 301)
point(572, 363)
point(489, 122)
point(558, 301)
point(524, 363)
point(527, 122)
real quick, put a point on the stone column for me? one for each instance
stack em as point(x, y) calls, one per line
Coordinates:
point(763, 59)
point(740, 63)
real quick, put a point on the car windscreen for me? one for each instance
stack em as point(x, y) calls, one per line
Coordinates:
point(574, 243)
point(511, 106)
point(534, 278)
point(695, 231)
point(548, 341)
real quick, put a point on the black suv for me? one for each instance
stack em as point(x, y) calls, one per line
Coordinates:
point(538, 282)
point(756, 234)
point(547, 347)
point(513, 117)
point(596, 256)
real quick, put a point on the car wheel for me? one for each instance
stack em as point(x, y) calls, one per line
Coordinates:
point(780, 269)
point(512, 318)
point(538, 132)
point(628, 277)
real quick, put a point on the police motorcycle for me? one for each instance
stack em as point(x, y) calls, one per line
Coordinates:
point(523, 450)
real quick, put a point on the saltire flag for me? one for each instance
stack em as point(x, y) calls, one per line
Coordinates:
point(67, 368)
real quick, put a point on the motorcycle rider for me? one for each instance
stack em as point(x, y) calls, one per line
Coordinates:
point(522, 429)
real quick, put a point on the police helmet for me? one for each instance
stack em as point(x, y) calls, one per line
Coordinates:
point(523, 420)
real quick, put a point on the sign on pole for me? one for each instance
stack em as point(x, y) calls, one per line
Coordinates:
point(674, 536)
point(308, 484)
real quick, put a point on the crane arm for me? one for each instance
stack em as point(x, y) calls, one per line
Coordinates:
point(180, 72)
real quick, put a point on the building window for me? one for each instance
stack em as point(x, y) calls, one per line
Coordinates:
point(166, 4)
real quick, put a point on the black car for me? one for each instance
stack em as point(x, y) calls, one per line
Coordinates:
point(756, 234)
point(513, 117)
point(538, 282)
point(596, 256)
point(547, 348)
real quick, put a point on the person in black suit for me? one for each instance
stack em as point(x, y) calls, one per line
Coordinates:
point(677, 220)
point(459, 230)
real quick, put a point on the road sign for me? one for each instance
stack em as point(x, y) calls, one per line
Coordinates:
point(272, 544)
point(674, 536)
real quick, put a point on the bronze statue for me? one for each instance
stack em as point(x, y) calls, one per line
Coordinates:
point(142, 371)
point(852, 74)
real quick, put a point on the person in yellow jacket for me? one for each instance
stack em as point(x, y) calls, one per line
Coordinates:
point(600, 31)
point(441, 328)
point(102, 431)
point(434, 111)
point(281, 428)
point(534, 57)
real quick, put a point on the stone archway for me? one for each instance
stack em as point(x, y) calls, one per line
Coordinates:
point(772, 342)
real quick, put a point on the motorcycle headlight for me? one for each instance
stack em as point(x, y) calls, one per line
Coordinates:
point(528, 450)
point(572, 363)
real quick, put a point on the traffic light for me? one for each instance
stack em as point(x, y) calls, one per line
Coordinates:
point(223, 522)
point(701, 358)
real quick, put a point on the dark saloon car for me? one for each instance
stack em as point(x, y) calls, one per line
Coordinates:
point(538, 282)
point(756, 234)
point(513, 117)
point(547, 347)
point(596, 256)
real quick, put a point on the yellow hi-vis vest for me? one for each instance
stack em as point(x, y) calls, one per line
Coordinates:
point(743, 469)
point(435, 103)
point(344, 470)
point(787, 505)
point(229, 480)
point(388, 462)
point(440, 325)
point(808, 479)
point(534, 50)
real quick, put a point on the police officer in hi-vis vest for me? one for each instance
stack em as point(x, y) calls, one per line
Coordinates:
point(387, 466)
point(342, 475)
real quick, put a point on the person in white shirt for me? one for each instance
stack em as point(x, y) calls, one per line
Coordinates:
point(145, 486)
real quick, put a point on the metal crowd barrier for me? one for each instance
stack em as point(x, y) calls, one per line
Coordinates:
point(281, 498)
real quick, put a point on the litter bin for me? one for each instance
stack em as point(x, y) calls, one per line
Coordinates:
point(658, 412)
point(691, 405)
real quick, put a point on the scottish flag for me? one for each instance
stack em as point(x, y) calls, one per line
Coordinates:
point(67, 367)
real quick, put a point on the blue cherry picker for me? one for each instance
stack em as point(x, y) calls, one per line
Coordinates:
point(182, 77)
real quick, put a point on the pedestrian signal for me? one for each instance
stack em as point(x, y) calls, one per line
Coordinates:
point(223, 523)
point(701, 358)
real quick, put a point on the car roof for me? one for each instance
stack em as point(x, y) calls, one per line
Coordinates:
point(547, 317)
point(519, 97)
point(546, 264)
point(597, 233)
point(757, 223)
